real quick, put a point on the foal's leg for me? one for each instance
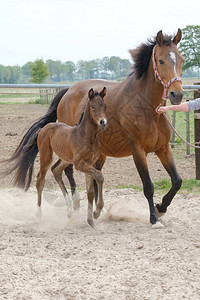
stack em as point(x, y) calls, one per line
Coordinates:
point(166, 158)
point(57, 170)
point(99, 165)
point(90, 196)
point(45, 162)
point(148, 188)
point(75, 194)
point(97, 175)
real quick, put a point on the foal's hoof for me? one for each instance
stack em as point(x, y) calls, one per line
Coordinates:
point(96, 214)
point(70, 210)
point(158, 213)
point(38, 212)
point(157, 225)
point(91, 223)
point(76, 200)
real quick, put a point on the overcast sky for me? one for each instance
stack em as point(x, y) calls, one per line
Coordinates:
point(85, 29)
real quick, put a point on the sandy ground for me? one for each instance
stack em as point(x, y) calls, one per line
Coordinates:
point(124, 258)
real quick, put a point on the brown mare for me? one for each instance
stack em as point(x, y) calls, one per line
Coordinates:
point(77, 145)
point(134, 128)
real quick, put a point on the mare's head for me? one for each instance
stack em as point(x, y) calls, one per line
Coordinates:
point(167, 63)
point(98, 107)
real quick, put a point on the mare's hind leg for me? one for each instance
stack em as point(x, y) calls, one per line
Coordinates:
point(57, 170)
point(166, 158)
point(75, 194)
point(45, 161)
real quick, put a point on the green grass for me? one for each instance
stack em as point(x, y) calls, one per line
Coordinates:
point(13, 95)
point(164, 185)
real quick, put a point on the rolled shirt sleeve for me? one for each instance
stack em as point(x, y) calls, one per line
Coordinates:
point(194, 105)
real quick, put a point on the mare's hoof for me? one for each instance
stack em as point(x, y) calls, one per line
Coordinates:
point(158, 214)
point(157, 225)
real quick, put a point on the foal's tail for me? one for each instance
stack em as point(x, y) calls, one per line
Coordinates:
point(22, 160)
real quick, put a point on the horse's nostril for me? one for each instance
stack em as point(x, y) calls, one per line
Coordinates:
point(172, 94)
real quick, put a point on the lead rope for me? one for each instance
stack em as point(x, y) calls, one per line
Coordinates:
point(172, 127)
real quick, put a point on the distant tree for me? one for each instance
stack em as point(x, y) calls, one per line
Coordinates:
point(190, 46)
point(105, 66)
point(5, 74)
point(55, 69)
point(15, 74)
point(69, 69)
point(26, 69)
point(39, 71)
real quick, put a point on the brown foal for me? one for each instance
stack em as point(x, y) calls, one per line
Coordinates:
point(78, 145)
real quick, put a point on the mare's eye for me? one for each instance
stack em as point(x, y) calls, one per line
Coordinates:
point(92, 107)
point(161, 61)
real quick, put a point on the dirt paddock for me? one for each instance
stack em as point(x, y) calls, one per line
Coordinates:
point(124, 258)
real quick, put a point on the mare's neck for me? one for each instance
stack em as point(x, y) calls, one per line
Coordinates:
point(152, 88)
point(88, 126)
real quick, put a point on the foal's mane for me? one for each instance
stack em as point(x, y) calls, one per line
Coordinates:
point(141, 55)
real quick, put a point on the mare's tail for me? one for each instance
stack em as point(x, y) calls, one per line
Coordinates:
point(22, 160)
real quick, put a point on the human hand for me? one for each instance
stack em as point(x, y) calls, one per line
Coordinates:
point(161, 109)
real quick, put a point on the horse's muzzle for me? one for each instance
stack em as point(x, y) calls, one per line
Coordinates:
point(103, 123)
point(176, 97)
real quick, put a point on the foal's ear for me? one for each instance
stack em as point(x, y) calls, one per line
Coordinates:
point(159, 38)
point(103, 92)
point(177, 37)
point(91, 93)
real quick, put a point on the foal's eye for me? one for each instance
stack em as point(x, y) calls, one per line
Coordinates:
point(161, 61)
point(92, 107)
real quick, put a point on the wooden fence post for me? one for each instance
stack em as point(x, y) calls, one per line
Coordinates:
point(197, 135)
point(187, 132)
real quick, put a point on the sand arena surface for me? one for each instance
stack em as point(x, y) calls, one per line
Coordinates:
point(123, 259)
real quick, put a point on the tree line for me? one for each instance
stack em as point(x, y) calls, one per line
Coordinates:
point(53, 71)
point(112, 68)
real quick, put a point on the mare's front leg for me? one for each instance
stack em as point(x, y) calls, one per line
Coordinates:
point(139, 157)
point(167, 160)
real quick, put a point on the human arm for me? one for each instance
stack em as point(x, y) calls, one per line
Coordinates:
point(181, 107)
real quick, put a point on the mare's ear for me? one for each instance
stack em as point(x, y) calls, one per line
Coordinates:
point(91, 93)
point(177, 37)
point(103, 92)
point(159, 38)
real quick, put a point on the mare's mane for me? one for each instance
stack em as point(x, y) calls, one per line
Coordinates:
point(141, 56)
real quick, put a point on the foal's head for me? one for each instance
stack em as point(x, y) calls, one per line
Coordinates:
point(98, 107)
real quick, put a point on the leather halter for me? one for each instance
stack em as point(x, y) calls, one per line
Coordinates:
point(157, 76)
